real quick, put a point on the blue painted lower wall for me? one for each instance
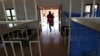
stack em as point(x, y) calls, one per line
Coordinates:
point(84, 40)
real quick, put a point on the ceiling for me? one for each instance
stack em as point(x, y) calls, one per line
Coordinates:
point(49, 7)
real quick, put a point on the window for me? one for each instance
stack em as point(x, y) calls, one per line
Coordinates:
point(11, 16)
point(89, 8)
point(12, 25)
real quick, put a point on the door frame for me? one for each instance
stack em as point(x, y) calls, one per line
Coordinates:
point(59, 7)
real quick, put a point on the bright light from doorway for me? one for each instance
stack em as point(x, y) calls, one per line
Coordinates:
point(45, 25)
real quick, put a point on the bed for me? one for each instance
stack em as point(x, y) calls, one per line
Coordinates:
point(16, 30)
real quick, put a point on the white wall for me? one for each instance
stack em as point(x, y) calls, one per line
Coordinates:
point(64, 3)
point(30, 9)
point(98, 2)
point(91, 2)
point(20, 11)
point(19, 7)
point(2, 16)
point(76, 6)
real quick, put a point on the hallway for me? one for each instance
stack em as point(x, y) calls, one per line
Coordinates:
point(52, 44)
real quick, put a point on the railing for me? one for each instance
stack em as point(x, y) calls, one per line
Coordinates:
point(22, 33)
point(12, 39)
point(19, 40)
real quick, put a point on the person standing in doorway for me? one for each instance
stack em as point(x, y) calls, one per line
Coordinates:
point(50, 20)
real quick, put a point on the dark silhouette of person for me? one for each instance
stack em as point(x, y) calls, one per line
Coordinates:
point(50, 20)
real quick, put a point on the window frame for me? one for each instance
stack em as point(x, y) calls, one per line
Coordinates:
point(11, 16)
point(92, 6)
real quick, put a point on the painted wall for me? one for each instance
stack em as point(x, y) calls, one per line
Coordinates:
point(84, 40)
point(20, 11)
point(30, 7)
point(19, 6)
point(76, 6)
point(2, 16)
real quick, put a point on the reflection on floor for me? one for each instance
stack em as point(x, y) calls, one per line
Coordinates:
point(52, 45)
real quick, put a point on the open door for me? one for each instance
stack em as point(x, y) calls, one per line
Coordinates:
point(56, 11)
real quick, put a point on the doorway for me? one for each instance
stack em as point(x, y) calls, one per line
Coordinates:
point(43, 15)
point(52, 41)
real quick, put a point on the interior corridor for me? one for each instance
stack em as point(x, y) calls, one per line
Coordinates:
point(52, 43)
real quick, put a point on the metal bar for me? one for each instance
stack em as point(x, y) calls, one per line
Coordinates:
point(39, 48)
point(14, 8)
point(12, 41)
point(9, 36)
point(21, 29)
point(82, 8)
point(25, 9)
point(17, 34)
point(7, 41)
point(4, 46)
point(18, 21)
point(30, 49)
point(13, 35)
point(54, 29)
point(93, 8)
point(86, 17)
point(21, 49)
point(38, 42)
point(13, 48)
point(34, 41)
point(65, 37)
point(4, 10)
point(69, 37)
point(35, 2)
point(19, 38)
point(27, 34)
point(70, 9)
point(22, 34)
